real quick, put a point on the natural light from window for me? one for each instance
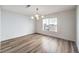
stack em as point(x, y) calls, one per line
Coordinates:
point(50, 24)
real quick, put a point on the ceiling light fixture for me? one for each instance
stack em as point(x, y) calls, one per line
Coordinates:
point(27, 6)
point(37, 16)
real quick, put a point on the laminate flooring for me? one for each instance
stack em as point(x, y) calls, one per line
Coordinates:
point(36, 43)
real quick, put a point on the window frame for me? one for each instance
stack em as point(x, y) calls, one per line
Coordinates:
point(49, 24)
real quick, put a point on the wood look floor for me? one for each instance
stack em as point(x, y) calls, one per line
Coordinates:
point(37, 44)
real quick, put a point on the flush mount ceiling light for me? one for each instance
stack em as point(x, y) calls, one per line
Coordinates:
point(27, 6)
point(37, 16)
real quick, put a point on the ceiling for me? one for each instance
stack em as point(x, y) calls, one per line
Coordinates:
point(43, 9)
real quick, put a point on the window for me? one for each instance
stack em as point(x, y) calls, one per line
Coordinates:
point(50, 24)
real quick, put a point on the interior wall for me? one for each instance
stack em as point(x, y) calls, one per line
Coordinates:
point(15, 25)
point(78, 27)
point(0, 24)
point(66, 27)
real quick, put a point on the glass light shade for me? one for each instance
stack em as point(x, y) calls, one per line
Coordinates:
point(42, 16)
point(37, 16)
point(32, 17)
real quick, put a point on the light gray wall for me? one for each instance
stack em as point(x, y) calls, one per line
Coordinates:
point(78, 27)
point(66, 25)
point(15, 25)
point(0, 24)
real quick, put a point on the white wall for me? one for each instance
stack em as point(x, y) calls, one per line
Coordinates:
point(78, 27)
point(66, 25)
point(15, 25)
point(0, 24)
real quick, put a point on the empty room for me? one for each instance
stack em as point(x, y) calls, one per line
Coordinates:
point(39, 29)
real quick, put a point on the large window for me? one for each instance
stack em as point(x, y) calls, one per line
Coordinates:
point(50, 24)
